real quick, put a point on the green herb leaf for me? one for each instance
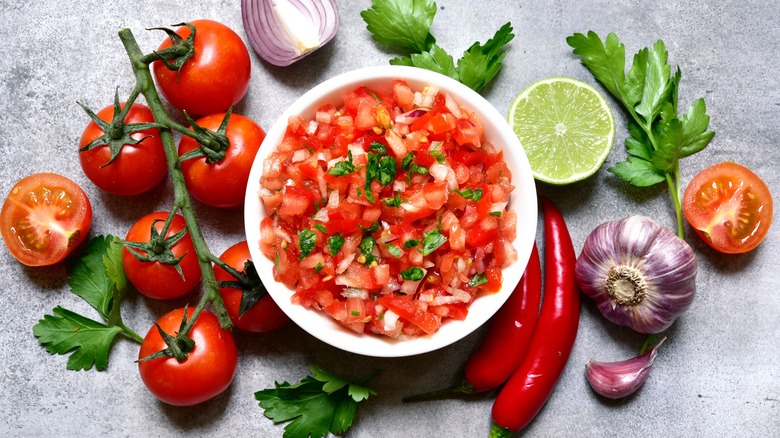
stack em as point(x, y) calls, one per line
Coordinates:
point(94, 275)
point(432, 240)
point(473, 195)
point(379, 148)
point(395, 201)
point(321, 228)
point(659, 138)
point(370, 230)
point(401, 23)
point(87, 340)
point(414, 274)
point(437, 59)
point(335, 242)
point(479, 64)
point(478, 280)
point(318, 268)
point(411, 243)
point(394, 250)
point(316, 406)
point(307, 240)
point(366, 246)
point(343, 167)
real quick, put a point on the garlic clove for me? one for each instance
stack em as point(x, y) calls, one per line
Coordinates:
point(622, 378)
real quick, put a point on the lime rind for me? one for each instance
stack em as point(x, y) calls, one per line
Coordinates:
point(566, 128)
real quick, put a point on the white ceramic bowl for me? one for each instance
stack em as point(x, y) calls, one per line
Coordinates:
point(523, 200)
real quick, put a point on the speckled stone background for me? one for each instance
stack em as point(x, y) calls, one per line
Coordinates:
point(717, 375)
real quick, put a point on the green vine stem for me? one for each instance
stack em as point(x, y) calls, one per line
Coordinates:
point(182, 202)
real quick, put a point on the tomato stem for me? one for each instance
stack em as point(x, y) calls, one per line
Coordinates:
point(182, 200)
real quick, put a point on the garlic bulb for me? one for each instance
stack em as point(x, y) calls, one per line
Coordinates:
point(619, 379)
point(639, 274)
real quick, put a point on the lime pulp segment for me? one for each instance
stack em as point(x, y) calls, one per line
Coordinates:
point(565, 127)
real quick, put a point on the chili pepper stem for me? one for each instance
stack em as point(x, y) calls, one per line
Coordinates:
point(497, 431)
point(463, 387)
point(182, 201)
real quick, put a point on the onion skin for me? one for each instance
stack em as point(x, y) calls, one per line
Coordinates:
point(268, 37)
point(663, 261)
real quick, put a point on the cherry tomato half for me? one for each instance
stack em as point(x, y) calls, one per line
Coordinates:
point(158, 280)
point(208, 369)
point(138, 168)
point(729, 207)
point(44, 218)
point(222, 184)
point(265, 315)
point(217, 75)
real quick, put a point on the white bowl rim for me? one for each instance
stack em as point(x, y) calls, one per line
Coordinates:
point(523, 200)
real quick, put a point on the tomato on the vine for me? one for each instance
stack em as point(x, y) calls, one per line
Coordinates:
point(729, 207)
point(223, 183)
point(206, 372)
point(265, 315)
point(153, 278)
point(217, 75)
point(44, 218)
point(138, 168)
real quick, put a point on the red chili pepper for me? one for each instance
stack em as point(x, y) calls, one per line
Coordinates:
point(506, 341)
point(509, 335)
point(530, 386)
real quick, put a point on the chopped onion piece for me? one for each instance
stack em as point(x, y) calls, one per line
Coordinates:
point(451, 105)
point(284, 31)
point(498, 206)
point(311, 128)
point(353, 292)
point(321, 215)
point(389, 320)
point(333, 199)
point(300, 155)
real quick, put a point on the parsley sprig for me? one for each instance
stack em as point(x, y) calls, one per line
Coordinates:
point(318, 405)
point(406, 24)
point(96, 276)
point(659, 138)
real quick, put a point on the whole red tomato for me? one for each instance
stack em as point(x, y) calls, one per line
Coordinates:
point(222, 184)
point(265, 315)
point(217, 75)
point(44, 218)
point(206, 372)
point(138, 168)
point(155, 279)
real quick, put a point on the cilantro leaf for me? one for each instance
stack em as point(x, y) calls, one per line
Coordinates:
point(366, 246)
point(394, 250)
point(639, 172)
point(401, 23)
point(606, 61)
point(479, 64)
point(316, 406)
point(478, 280)
point(473, 195)
point(94, 275)
point(87, 340)
point(694, 125)
point(657, 87)
point(395, 201)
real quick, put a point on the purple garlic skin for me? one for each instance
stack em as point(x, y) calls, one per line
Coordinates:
point(638, 273)
point(620, 379)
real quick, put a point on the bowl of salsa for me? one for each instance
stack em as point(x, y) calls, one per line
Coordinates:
point(390, 211)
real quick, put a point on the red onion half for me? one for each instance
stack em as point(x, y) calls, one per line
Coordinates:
point(284, 31)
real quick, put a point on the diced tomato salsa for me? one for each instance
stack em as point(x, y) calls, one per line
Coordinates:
point(389, 212)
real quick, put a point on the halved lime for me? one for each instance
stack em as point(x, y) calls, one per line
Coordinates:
point(565, 127)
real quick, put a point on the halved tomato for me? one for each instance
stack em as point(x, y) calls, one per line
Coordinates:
point(44, 218)
point(729, 207)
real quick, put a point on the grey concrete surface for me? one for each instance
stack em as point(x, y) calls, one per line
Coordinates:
point(717, 375)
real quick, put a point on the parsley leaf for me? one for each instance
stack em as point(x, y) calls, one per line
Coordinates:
point(335, 242)
point(343, 167)
point(307, 240)
point(406, 24)
point(432, 240)
point(87, 340)
point(414, 274)
point(478, 280)
point(316, 406)
point(401, 23)
point(659, 137)
point(473, 195)
point(98, 277)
